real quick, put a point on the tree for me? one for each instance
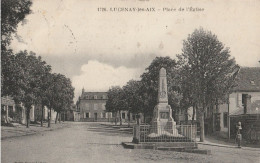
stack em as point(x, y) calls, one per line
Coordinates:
point(133, 99)
point(64, 95)
point(44, 91)
point(12, 13)
point(116, 101)
point(28, 80)
point(60, 94)
point(149, 89)
point(208, 71)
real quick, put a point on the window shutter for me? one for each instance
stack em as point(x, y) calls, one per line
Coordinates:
point(239, 100)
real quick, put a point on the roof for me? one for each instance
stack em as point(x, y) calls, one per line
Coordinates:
point(92, 95)
point(248, 79)
point(254, 109)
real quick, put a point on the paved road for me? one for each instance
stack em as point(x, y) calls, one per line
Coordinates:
point(92, 142)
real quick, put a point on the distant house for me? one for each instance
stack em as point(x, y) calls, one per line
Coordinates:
point(7, 109)
point(243, 102)
point(37, 109)
point(243, 106)
point(72, 114)
point(92, 107)
point(12, 112)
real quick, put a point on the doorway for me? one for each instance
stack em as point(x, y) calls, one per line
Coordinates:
point(95, 116)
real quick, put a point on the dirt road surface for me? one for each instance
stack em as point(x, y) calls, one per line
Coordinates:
point(93, 142)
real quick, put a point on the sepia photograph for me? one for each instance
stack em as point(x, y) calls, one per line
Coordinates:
point(93, 81)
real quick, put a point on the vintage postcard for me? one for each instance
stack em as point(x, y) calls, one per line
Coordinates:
point(130, 81)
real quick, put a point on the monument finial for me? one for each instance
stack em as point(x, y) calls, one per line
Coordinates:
point(162, 72)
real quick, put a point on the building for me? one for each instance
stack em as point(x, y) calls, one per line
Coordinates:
point(243, 101)
point(12, 112)
point(7, 109)
point(37, 109)
point(73, 114)
point(92, 107)
point(243, 106)
point(250, 120)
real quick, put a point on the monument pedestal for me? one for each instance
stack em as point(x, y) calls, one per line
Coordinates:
point(163, 123)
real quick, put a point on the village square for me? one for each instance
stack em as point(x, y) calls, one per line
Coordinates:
point(82, 86)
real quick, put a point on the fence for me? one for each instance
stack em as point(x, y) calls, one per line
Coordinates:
point(176, 133)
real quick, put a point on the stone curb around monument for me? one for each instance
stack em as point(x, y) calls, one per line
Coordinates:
point(129, 145)
point(229, 146)
point(217, 145)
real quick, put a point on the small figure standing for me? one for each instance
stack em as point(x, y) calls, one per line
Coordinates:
point(239, 135)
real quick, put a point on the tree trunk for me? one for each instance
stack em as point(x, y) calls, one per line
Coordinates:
point(193, 114)
point(60, 118)
point(116, 119)
point(138, 119)
point(28, 117)
point(120, 117)
point(49, 120)
point(202, 135)
point(129, 117)
point(42, 115)
point(57, 115)
point(64, 117)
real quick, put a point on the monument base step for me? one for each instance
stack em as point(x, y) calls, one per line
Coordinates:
point(178, 147)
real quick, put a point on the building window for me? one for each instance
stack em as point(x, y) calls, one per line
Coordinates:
point(244, 96)
point(95, 106)
point(104, 97)
point(225, 119)
point(133, 117)
point(95, 96)
point(87, 115)
point(123, 115)
point(104, 106)
point(87, 106)
point(113, 114)
point(103, 115)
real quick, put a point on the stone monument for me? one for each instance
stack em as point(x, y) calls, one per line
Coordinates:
point(162, 122)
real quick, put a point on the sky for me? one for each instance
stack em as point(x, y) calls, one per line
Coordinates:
point(97, 50)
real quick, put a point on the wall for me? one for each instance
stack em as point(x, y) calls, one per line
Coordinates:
point(235, 101)
point(93, 106)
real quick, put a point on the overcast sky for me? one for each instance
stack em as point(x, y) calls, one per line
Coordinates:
point(100, 49)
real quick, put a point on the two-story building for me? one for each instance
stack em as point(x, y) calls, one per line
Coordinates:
point(92, 107)
point(244, 101)
point(218, 118)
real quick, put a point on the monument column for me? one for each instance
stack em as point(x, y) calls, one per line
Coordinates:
point(162, 122)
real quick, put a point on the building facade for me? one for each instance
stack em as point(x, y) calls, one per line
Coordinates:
point(92, 108)
point(244, 101)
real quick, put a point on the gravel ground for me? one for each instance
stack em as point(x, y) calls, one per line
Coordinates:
point(92, 142)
